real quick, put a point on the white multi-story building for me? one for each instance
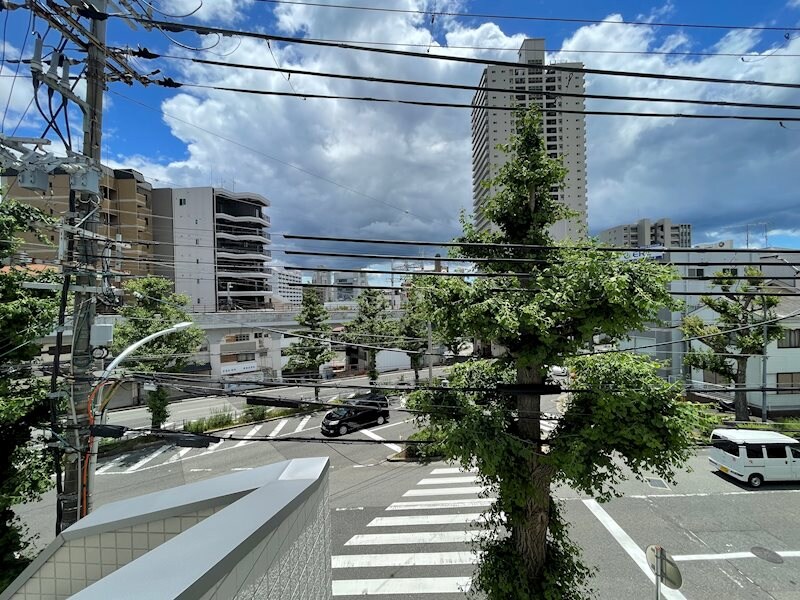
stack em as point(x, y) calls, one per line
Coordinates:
point(648, 233)
point(286, 285)
point(345, 282)
point(214, 244)
point(564, 132)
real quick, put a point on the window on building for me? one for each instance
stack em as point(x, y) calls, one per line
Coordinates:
point(790, 339)
point(241, 337)
point(731, 272)
point(789, 380)
point(181, 201)
point(258, 335)
point(715, 378)
point(245, 356)
point(693, 272)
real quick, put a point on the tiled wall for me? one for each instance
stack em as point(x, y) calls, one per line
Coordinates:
point(80, 562)
point(292, 563)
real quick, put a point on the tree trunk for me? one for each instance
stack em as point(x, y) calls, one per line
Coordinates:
point(372, 372)
point(740, 396)
point(530, 522)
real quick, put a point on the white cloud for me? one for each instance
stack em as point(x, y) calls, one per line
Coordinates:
point(715, 175)
point(225, 11)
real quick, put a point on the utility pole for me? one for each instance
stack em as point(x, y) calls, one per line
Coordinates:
point(430, 353)
point(764, 369)
point(74, 501)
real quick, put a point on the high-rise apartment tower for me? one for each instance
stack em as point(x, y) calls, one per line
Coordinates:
point(564, 133)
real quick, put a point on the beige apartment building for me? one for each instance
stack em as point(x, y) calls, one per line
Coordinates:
point(564, 133)
point(645, 233)
point(125, 214)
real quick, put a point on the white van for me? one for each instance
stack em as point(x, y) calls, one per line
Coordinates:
point(755, 456)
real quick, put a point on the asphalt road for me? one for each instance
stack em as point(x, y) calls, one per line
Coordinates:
point(403, 529)
point(196, 408)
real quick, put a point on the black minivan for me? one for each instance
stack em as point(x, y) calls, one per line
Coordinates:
point(356, 413)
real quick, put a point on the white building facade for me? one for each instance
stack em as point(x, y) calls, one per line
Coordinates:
point(286, 286)
point(214, 244)
point(564, 132)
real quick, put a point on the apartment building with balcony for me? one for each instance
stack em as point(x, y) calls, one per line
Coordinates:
point(645, 233)
point(125, 214)
point(214, 244)
point(564, 133)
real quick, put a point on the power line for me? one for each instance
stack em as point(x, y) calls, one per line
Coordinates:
point(203, 29)
point(604, 113)
point(445, 13)
point(454, 86)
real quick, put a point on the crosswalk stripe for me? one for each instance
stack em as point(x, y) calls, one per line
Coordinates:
point(401, 585)
point(417, 537)
point(302, 424)
point(451, 471)
point(281, 424)
point(445, 491)
point(109, 465)
point(437, 504)
point(214, 447)
point(407, 559)
point(248, 435)
point(440, 480)
point(181, 453)
point(375, 436)
point(147, 459)
point(424, 520)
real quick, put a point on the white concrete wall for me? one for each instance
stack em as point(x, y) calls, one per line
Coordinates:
point(195, 254)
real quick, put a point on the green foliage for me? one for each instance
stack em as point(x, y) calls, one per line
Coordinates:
point(310, 354)
point(254, 413)
point(158, 406)
point(218, 419)
point(622, 416)
point(18, 216)
point(151, 307)
point(413, 330)
point(25, 316)
point(736, 334)
point(372, 319)
point(565, 298)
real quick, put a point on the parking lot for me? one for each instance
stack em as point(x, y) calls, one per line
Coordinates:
point(728, 540)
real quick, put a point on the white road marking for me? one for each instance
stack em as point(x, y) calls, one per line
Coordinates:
point(730, 556)
point(436, 504)
point(281, 424)
point(344, 508)
point(249, 435)
point(110, 465)
point(375, 436)
point(176, 457)
point(445, 491)
point(242, 468)
point(451, 471)
point(199, 470)
point(424, 520)
point(417, 537)
point(147, 459)
point(395, 424)
point(450, 480)
point(408, 559)
point(401, 585)
point(627, 543)
point(214, 447)
point(302, 424)
point(711, 494)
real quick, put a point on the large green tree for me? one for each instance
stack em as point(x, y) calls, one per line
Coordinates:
point(311, 352)
point(738, 333)
point(623, 415)
point(371, 325)
point(26, 315)
point(152, 306)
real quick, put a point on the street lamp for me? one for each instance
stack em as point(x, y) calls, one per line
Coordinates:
point(98, 407)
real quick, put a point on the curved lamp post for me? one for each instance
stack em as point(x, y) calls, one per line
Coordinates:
point(98, 409)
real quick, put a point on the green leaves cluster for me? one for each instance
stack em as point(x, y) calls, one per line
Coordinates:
point(151, 306)
point(310, 354)
point(370, 325)
point(26, 315)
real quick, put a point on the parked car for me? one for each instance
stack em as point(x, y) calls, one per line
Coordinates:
point(755, 456)
point(355, 414)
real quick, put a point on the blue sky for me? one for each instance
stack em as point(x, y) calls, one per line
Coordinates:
point(405, 172)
